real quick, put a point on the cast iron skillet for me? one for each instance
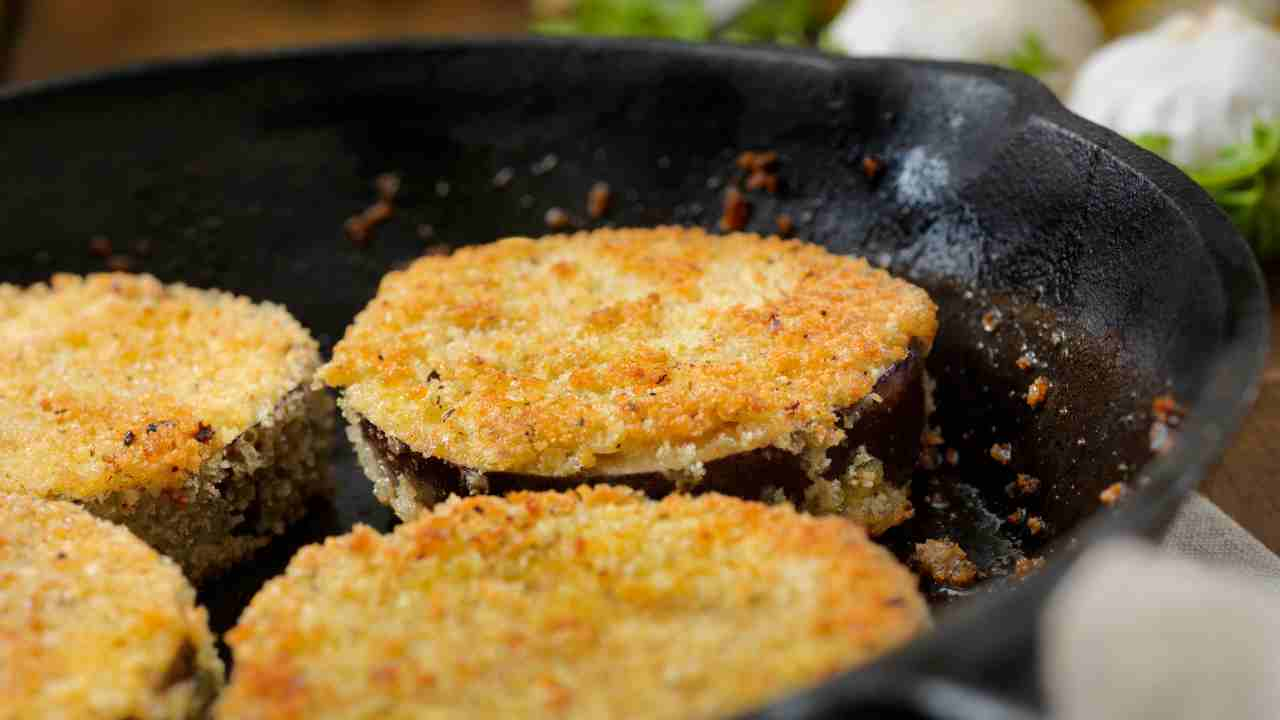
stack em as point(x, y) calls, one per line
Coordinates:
point(1114, 269)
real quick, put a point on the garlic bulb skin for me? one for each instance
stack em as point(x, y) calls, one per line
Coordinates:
point(1200, 79)
point(991, 31)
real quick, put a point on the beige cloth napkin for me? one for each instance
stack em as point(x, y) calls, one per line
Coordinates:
point(1189, 630)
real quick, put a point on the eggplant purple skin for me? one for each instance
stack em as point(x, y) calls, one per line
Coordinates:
point(889, 426)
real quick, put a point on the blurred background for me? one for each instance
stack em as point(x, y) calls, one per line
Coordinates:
point(46, 38)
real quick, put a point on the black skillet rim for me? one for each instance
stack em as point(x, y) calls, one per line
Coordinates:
point(1216, 411)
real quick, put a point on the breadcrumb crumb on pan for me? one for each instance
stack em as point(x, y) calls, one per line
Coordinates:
point(613, 354)
point(591, 603)
point(187, 415)
point(94, 623)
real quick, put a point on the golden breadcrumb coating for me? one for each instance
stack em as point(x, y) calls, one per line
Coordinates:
point(95, 624)
point(116, 382)
point(591, 603)
point(623, 350)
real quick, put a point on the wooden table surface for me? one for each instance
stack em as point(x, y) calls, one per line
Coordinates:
point(60, 36)
point(1246, 484)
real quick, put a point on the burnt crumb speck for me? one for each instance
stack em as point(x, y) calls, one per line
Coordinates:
point(204, 433)
point(598, 198)
point(387, 185)
point(991, 320)
point(359, 228)
point(120, 263)
point(1024, 484)
point(1002, 453)
point(100, 246)
point(557, 219)
point(433, 375)
point(425, 231)
point(151, 427)
point(736, 211)
point(872, 166)
point(129, 438)
point(785, 225)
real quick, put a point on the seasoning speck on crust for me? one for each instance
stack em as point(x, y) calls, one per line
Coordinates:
point(154, 406)
point(585, 604)
point(95, 624)
point(620, 352)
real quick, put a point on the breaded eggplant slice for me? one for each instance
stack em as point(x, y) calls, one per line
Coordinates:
point(665, 359)
point(187, 415)
point(592, 603)
point(94, 623)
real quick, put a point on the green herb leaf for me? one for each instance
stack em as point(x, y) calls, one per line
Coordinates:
point(1032, 57)
point(676, 19)
point(1244, 181)
point(787, 22)
point(1156, 143)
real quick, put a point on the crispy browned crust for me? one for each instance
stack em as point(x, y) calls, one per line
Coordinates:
point(590, 603)
point(115, 382)
point(95, 624)
point(621, 351)
point(887, 429)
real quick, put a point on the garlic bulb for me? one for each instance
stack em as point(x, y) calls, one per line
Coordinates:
point(1201, 81)
point(1004, 32)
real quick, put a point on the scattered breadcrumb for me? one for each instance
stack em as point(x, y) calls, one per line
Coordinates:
point(953, 457)
point(1113, 493)
point(359, 228)
point(1025, 566)
point(388, 186)
point(991, 320)
point(1024, 484)
point(1024, 362)
point(598, 199)
point(1038, 391)
point(945, 562)
point(503, 177)
point(1036, 524)
point(933, 437)
point(1002, 453)
point(872, 166)
point(100, 246)
point(120, 263)
point(1166, 409)
point(1017, 517)
point(557, 219)
point(736, 211)
point(929, 458)
point(763, 161)
point(785, 225)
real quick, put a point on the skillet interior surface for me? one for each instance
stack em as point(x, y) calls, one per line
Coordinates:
point(1100, 261)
